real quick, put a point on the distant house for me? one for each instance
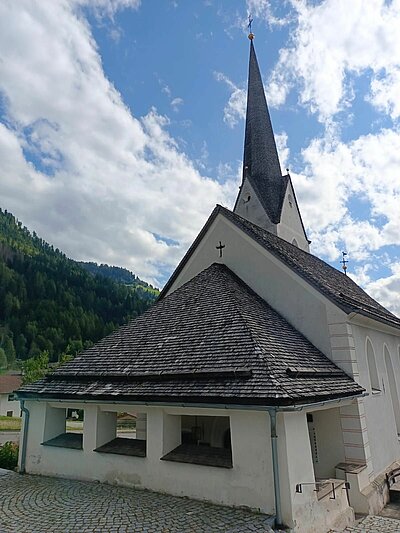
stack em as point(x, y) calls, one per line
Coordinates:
point(8, 384)
point(262, 377)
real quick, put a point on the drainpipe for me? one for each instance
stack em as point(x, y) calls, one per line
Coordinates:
point(25, 410)
point(275, 468)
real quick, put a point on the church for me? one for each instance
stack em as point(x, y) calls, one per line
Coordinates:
point(262, 377)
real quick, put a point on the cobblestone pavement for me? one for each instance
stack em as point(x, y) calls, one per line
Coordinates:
point(33, 504)
point(375, 524)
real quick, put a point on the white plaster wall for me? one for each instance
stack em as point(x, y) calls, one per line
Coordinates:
point(293, 298)
point(302, 511)
point(327, 424)
point(383, 440)
point(7, 405)
point(252, 209)
point(290, 226)
point(248, 483)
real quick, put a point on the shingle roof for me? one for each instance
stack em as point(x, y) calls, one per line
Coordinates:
point(211, 340)
point(335, 285)
point(332, 283)
point(260, 162)
point(9, 383)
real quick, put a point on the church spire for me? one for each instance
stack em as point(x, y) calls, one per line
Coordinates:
point(266, 198)
point(261, 162)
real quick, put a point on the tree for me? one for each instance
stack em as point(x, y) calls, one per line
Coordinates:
point(20, 346)
point(9, 350)
point(35, 368)
point(3, 359)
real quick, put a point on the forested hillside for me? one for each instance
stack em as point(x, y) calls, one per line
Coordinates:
point(49, 303)
point(121, 275)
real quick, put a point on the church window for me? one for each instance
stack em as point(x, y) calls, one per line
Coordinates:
point(372, 369)
point(392, 389)
point(294, 242)
point(122, 433)
point(205, 440)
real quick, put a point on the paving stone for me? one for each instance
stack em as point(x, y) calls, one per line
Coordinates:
point(36, 504)
point(375, 524)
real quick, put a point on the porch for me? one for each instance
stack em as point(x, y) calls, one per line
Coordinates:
point(223, 456)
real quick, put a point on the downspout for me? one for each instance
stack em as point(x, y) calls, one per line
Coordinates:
point(25, 410)
point(275, 468)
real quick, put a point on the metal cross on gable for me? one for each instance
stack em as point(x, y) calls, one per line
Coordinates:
point(220, 247)
point(344, 262)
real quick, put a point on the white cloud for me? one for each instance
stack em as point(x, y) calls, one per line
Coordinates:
point(262, 9)
point(105, 7)
point(176, 103)
point(386, 290)
point(281, 140)
point(116, 188)
point(385, 93)
point(331, 43)
point(365, 170)
point(235, 109)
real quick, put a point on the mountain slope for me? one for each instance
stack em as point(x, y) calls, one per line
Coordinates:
point(49, 302)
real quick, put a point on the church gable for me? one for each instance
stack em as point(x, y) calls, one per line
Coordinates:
point(291, 227)
point(296, 283)
point(249, 206)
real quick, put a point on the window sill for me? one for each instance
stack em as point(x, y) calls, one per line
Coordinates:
point(200, 455)
point(124, 446)
point(375, 392)
point(73, 441)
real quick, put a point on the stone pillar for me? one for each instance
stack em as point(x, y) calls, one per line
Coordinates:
point(163, 433)
point(141, 426)
point(99, 427)
point(54, 423)
point(353, 422)
point(106, 427)
point(295, 464)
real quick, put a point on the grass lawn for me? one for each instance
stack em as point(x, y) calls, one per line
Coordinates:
point(10, 423)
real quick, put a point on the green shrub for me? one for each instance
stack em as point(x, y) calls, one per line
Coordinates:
point(9, 455)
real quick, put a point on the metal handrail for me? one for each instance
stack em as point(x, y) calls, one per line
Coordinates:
point(391, 477)
point(319, 484)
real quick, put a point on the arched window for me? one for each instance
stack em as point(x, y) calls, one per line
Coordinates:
point(294, 242)
point(372, 370)
point(392, 389)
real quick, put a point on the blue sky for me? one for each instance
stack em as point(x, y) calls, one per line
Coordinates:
point(122, 124)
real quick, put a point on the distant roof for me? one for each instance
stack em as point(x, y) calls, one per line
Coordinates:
point(9, 383)
point(332, 283)
point(260, 161)
point(212, 340)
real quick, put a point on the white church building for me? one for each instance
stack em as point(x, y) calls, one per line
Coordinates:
point(262, 377)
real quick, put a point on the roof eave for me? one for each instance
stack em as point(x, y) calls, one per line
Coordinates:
point(188, 401)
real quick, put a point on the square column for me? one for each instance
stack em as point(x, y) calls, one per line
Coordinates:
point(163, 433)
point(99, 427)
point(295, 464)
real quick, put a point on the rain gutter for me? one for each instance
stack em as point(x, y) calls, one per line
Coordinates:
point(26, 412)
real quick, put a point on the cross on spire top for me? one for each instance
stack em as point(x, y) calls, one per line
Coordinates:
point(251, 34)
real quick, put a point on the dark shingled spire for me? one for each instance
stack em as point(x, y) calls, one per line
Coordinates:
point(261, 163)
